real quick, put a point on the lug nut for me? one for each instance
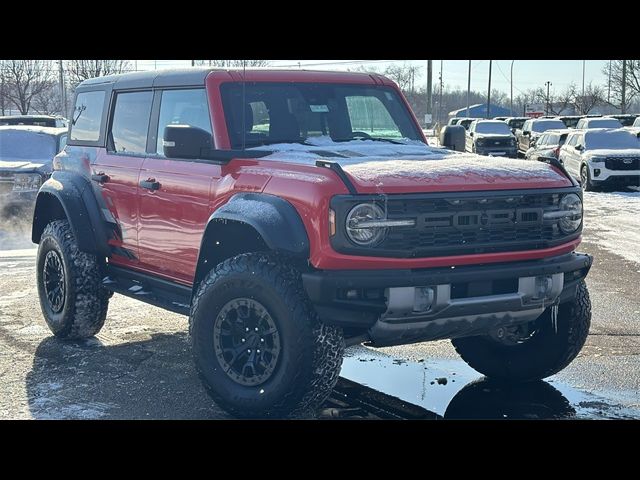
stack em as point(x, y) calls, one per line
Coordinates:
point(257, 351)
point(262, 340)
point(246, 329)
point(244, 340)
point(256, 329)
point(249, 351)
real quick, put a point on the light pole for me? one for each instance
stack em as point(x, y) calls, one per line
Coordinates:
point(548, 84)
point(441, 84)
point(582, 103)
point(489, 90)
point(511, 103)
point(468, 88)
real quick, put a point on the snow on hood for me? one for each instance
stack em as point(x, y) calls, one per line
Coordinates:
point(494, 135)
point(612, 152)
point(19, 165)
point(376, 166)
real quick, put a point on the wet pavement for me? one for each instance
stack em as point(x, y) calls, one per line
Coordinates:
point(140, 365)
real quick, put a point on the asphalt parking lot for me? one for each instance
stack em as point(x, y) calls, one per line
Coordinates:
point(139, 366)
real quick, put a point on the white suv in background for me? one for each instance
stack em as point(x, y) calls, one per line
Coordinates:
point(598, 122)
point(602, 156)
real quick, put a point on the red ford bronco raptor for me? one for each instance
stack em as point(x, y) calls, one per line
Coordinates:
point(290, 214)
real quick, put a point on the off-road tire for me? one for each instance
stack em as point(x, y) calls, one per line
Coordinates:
point(311, 352)
point(85, 300)
point(543, 354)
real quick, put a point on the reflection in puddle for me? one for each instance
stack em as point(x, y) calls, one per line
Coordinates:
point(451, 389)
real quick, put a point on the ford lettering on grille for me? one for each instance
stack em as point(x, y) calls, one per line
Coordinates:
point(480, 218)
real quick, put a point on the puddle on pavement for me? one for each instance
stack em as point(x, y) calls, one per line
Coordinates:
point(451, 389)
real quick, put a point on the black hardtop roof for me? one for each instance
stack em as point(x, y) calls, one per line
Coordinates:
point(194, 76)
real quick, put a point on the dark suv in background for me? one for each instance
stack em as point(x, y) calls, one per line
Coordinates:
point(26, 156)
point(491, 137)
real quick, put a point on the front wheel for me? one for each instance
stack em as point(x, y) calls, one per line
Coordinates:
point(585, 179)
point(258, 344)
point(534, 350)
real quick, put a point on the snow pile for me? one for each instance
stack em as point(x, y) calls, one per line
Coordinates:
point(613, 219)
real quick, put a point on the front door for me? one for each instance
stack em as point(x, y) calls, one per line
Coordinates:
point(174, 193)
point(116, 170)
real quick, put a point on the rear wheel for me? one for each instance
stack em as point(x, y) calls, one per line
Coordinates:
point(258, 344)
point(534, 350)
point(72, 299)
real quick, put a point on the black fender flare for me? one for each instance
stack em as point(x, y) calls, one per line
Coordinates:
point(75, 194)
point(275, 219)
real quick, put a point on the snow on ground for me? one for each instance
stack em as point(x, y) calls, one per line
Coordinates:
point(613, 221)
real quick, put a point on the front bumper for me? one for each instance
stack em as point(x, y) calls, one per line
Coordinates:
point(510, 152)
point(606, 176)
point(469, 300)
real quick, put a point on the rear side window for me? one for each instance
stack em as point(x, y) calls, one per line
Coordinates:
point(87, 116)
point(183, 107)
point(130, 123)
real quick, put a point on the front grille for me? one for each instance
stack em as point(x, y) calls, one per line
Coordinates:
point(459, 224)
point(6, 182)
point(622, 163)
point(494, 143)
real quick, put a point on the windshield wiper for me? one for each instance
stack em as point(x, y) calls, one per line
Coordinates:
point(375, 139)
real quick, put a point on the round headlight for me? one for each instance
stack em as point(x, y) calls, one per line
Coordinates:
point(356, 225)
point(571, 204)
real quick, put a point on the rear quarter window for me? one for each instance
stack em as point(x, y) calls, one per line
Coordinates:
point(87, 117)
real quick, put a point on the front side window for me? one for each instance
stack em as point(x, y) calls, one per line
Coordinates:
point(543, 140)
point(183, 107)
point(572, 140)
point(267, 113)
point(87, 116)
point(527, 126)
point(130, 123)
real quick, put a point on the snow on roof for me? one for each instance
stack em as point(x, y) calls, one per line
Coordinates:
point(35, 129)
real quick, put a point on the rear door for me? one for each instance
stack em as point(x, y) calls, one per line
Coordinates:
point(116, 170)
point(174, 193)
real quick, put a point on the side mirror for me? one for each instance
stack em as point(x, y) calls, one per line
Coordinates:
point(185, 141)
point(471, 134)
point(526, 133)
point(579, 148)
point(532, 142)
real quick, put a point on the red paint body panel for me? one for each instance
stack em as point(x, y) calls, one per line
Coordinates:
point(121, 196)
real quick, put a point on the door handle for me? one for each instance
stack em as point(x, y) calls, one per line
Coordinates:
point(150, 184)
point(100, 177)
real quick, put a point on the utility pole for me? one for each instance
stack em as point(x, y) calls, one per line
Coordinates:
point(623, 107)
point(511, 102)
point(582, 103)
point(609, 87)
point(136, 65)
point(468, 88)
point(63, 102)
point(489, 90)
point(441, 87)
point(548, 84)
point(193, 63)
point(429, 82)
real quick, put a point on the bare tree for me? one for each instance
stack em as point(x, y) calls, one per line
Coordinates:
point(594, 95)
point(79, 70)
point(49, 101)
point(25, 80)
point(632, 82)
point(404, 75)
point(234, 63)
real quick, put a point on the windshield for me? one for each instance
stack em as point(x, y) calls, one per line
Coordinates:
point(544, 125)
point(517, 122)
point(497, 128)
point(611, 140)
point(25, 145)
point(269, 113)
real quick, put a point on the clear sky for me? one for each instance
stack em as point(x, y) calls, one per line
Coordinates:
point(527, 74)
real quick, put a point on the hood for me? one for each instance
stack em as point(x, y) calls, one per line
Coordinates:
point(20, 165)
point(609, 152)
point(413, 167)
